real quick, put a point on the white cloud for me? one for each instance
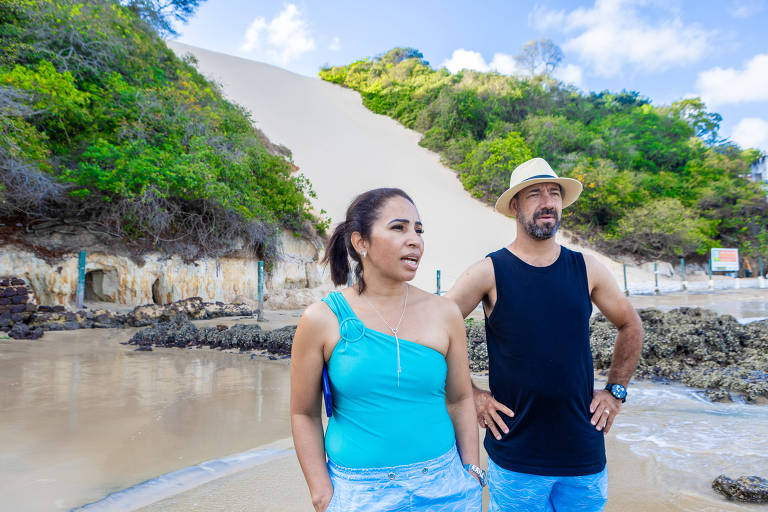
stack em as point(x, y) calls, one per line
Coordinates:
point(335, 44)
point(504, 64)
point(570, 74)
point(612, 35)
point(467, 59)
point(252, 35)
point(718, 86)
point(283, 39)
point(751, 132)
point(545, 19)
point(746, 8)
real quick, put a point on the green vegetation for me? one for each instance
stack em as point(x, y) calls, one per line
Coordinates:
point(658, 182)
point(102, 126)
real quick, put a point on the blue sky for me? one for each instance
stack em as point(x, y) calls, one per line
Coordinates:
point(666, 50)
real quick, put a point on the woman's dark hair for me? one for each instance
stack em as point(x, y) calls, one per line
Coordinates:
point(361, 215)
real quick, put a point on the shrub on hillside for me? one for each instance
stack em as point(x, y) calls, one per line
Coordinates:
point(118, 135)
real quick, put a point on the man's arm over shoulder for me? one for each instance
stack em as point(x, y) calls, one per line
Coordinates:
point(606, 295)
point(477, 282)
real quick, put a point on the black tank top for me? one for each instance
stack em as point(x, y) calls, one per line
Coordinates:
point(540, 365)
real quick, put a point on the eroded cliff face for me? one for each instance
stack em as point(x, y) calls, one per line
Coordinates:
point(161, 279)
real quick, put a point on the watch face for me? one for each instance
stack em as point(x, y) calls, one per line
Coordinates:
point(618, 391)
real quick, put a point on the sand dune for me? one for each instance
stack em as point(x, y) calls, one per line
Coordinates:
point(344, 149)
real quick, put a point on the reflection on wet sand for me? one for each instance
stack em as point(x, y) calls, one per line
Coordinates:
point(83, 416)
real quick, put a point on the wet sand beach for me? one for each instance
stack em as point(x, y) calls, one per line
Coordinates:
point(84, 416)
point(638, 483)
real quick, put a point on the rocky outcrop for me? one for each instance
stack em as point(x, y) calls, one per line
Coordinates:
point(181, 332)
point(193, 307)
point(58, 318)
point(160, 279)
point(477, 349)
point(750, 489)
point(694, 346)
point(698, 348)
point(17, 303)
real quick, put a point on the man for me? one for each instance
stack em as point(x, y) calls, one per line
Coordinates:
point(545, 422)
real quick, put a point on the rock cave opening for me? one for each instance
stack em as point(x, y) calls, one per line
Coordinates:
point(157, 297)
point(101, 285)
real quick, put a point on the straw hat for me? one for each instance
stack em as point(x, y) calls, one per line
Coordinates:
point(536, 170)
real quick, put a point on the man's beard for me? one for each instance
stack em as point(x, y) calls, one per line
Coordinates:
point(544, 232)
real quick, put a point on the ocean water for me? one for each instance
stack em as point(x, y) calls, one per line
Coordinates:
point(691, 440)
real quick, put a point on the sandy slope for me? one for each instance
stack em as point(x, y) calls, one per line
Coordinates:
point(344, 149)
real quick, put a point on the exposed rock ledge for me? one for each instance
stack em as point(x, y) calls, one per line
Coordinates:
point(159, 279)
point(694, 346)
point(182, 333)
point(31, 325)
point(697, 347)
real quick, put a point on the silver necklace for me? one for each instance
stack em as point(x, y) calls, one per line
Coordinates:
point(394, 329)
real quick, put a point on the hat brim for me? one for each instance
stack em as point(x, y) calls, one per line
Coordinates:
point(571, 192)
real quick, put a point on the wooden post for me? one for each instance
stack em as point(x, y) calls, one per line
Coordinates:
point(656, 277)
point(438, 283)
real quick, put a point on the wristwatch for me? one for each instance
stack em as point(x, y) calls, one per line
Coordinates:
point(618, 391)
point(478, 471)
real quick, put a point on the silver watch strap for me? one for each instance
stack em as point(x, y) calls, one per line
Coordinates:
point(477, 471)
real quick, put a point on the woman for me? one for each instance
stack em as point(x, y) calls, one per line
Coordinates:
point(396, 356)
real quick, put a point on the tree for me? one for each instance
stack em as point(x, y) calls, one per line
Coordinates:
point(661, 227)
point(486, 169)
point(705, 124)
point(160, 14)
point(539, 57)
point(397, 55)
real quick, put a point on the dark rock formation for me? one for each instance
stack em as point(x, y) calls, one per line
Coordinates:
point(17, 302)
point(696, 347)
point(750, 489)
point(690, 345)
point(57, 318)
point(181, 332)
point(477, 349)
point(193, 308)
point(22, 331)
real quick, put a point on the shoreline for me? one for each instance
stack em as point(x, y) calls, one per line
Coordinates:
point(636, 484)
point(713, 354)
point(174, 409)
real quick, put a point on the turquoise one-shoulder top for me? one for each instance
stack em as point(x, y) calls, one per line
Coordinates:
point(380, 420)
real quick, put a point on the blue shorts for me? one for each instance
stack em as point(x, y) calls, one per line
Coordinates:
point(522, 492)
point(437, 485)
